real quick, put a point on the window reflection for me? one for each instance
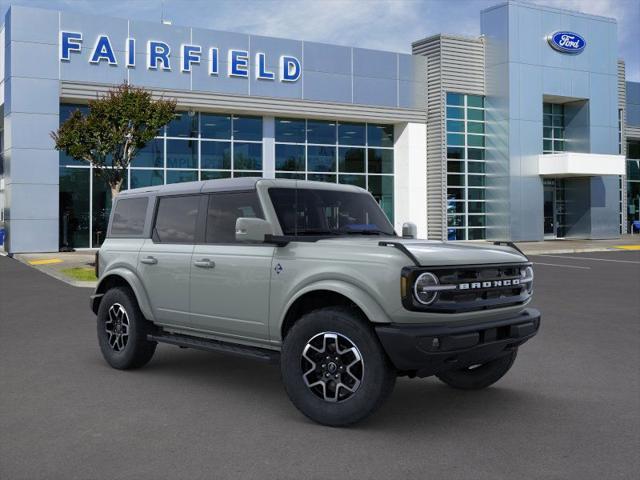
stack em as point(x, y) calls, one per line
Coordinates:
point(151, 155)
point(247, 156)
point(215, 126)
point(321, 159)
point(74, 207)
point(247, 128)
point(182, 154)
point(215, 155)
point(184, 124)
point(101, 207)
point(351, 133)
point(320, 131)
point(290, 157)
point(290, 130)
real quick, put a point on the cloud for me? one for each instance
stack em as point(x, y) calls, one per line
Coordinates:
point(378, 24)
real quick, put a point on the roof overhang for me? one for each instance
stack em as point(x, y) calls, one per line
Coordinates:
point(573, 164)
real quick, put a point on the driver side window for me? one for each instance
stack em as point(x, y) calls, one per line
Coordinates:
point(223, 211)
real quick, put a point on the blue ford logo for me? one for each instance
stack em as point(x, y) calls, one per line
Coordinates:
point(567, 42)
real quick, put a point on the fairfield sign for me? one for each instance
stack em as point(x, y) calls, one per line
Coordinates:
point(159, 56)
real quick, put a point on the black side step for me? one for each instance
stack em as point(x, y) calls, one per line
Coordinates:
point(211, 345)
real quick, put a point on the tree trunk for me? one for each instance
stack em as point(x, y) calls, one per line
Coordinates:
point(115, 189)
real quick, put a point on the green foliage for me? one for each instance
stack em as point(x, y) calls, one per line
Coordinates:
point(83, 274)
point(117, 126)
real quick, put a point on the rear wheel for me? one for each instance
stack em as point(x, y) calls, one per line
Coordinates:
point(334, 368)
point(122, 331)
point(480, 376)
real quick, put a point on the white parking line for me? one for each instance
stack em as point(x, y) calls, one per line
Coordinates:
point(558, 265)
point(590, 258)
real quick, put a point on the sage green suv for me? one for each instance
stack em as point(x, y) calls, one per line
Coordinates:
point(312, 276)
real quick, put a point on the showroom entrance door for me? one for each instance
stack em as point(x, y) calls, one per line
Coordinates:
point(555, 208)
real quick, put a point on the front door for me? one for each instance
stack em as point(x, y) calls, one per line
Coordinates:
point(549, 208)
point(230, 280)
point(164, 262)
point(555, 208)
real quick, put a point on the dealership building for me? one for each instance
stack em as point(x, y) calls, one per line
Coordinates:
point(527, 132)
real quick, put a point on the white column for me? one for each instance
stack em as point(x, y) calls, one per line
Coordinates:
point(410, 181)
point(268, 147)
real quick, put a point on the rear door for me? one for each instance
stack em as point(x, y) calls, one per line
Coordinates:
point(164, 263)
point(230, 280)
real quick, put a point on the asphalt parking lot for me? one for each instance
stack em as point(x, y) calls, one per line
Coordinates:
point(569, 408)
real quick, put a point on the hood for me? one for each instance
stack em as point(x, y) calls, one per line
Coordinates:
point(443, 253)
point(436, 253)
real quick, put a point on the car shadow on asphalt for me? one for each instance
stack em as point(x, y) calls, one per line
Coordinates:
point(415, 404)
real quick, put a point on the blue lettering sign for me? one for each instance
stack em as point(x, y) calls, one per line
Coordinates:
point(158, 52)
point(290, 70)
point(261, 68)
point(103, 51)
point(213, 61)
point(238, 63)
point(131, 52)
point(159, 57)
point(190, 55)
point(69, 42)
point(567, 42)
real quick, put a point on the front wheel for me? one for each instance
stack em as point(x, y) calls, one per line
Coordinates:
point(480, 376)
point(334, 368)
point(122, 331)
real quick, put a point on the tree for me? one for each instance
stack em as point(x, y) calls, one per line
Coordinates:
point(117, 126)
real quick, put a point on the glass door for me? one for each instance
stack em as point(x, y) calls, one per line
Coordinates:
point(549, 207)
point(555, 208)
point(560, 209)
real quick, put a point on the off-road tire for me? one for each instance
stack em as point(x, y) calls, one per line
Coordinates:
point(377, 375)
point(481, 376)
point(136, 351)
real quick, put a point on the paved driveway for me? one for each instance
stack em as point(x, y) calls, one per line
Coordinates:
point(570, 407)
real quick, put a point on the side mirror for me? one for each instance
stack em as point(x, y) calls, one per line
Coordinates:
point(252, 229)
point(409, 230)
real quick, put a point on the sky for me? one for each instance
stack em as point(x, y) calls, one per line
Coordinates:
point(378, 24)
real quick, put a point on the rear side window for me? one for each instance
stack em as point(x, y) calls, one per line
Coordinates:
point(176, 219)
point(224, 209)
point(128, 217)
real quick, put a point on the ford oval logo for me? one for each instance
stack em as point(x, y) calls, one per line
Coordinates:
point(567, 42)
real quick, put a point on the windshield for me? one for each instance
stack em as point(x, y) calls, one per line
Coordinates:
point(328, 212)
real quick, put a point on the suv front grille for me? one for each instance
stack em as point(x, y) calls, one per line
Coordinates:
point(472, 287)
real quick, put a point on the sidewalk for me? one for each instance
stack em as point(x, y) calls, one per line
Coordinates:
point(65, 266)
point(626, 242)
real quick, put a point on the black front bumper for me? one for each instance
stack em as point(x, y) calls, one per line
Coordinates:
point(424, 350)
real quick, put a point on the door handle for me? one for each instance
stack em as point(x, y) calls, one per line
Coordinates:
point(204, 263)
point(149, 260)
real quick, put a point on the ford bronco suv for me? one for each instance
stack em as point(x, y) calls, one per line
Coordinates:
point(313, 276)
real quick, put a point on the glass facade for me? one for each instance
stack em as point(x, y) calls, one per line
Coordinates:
point(344, 152)
point(466, 173)
point(205, 146)
point(194, 146)
point(633, 182)
point(552, 128)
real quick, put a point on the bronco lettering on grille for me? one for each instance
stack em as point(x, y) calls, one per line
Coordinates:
point(490, 284)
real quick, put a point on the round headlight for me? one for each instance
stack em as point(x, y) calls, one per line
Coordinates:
point(422, 288)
